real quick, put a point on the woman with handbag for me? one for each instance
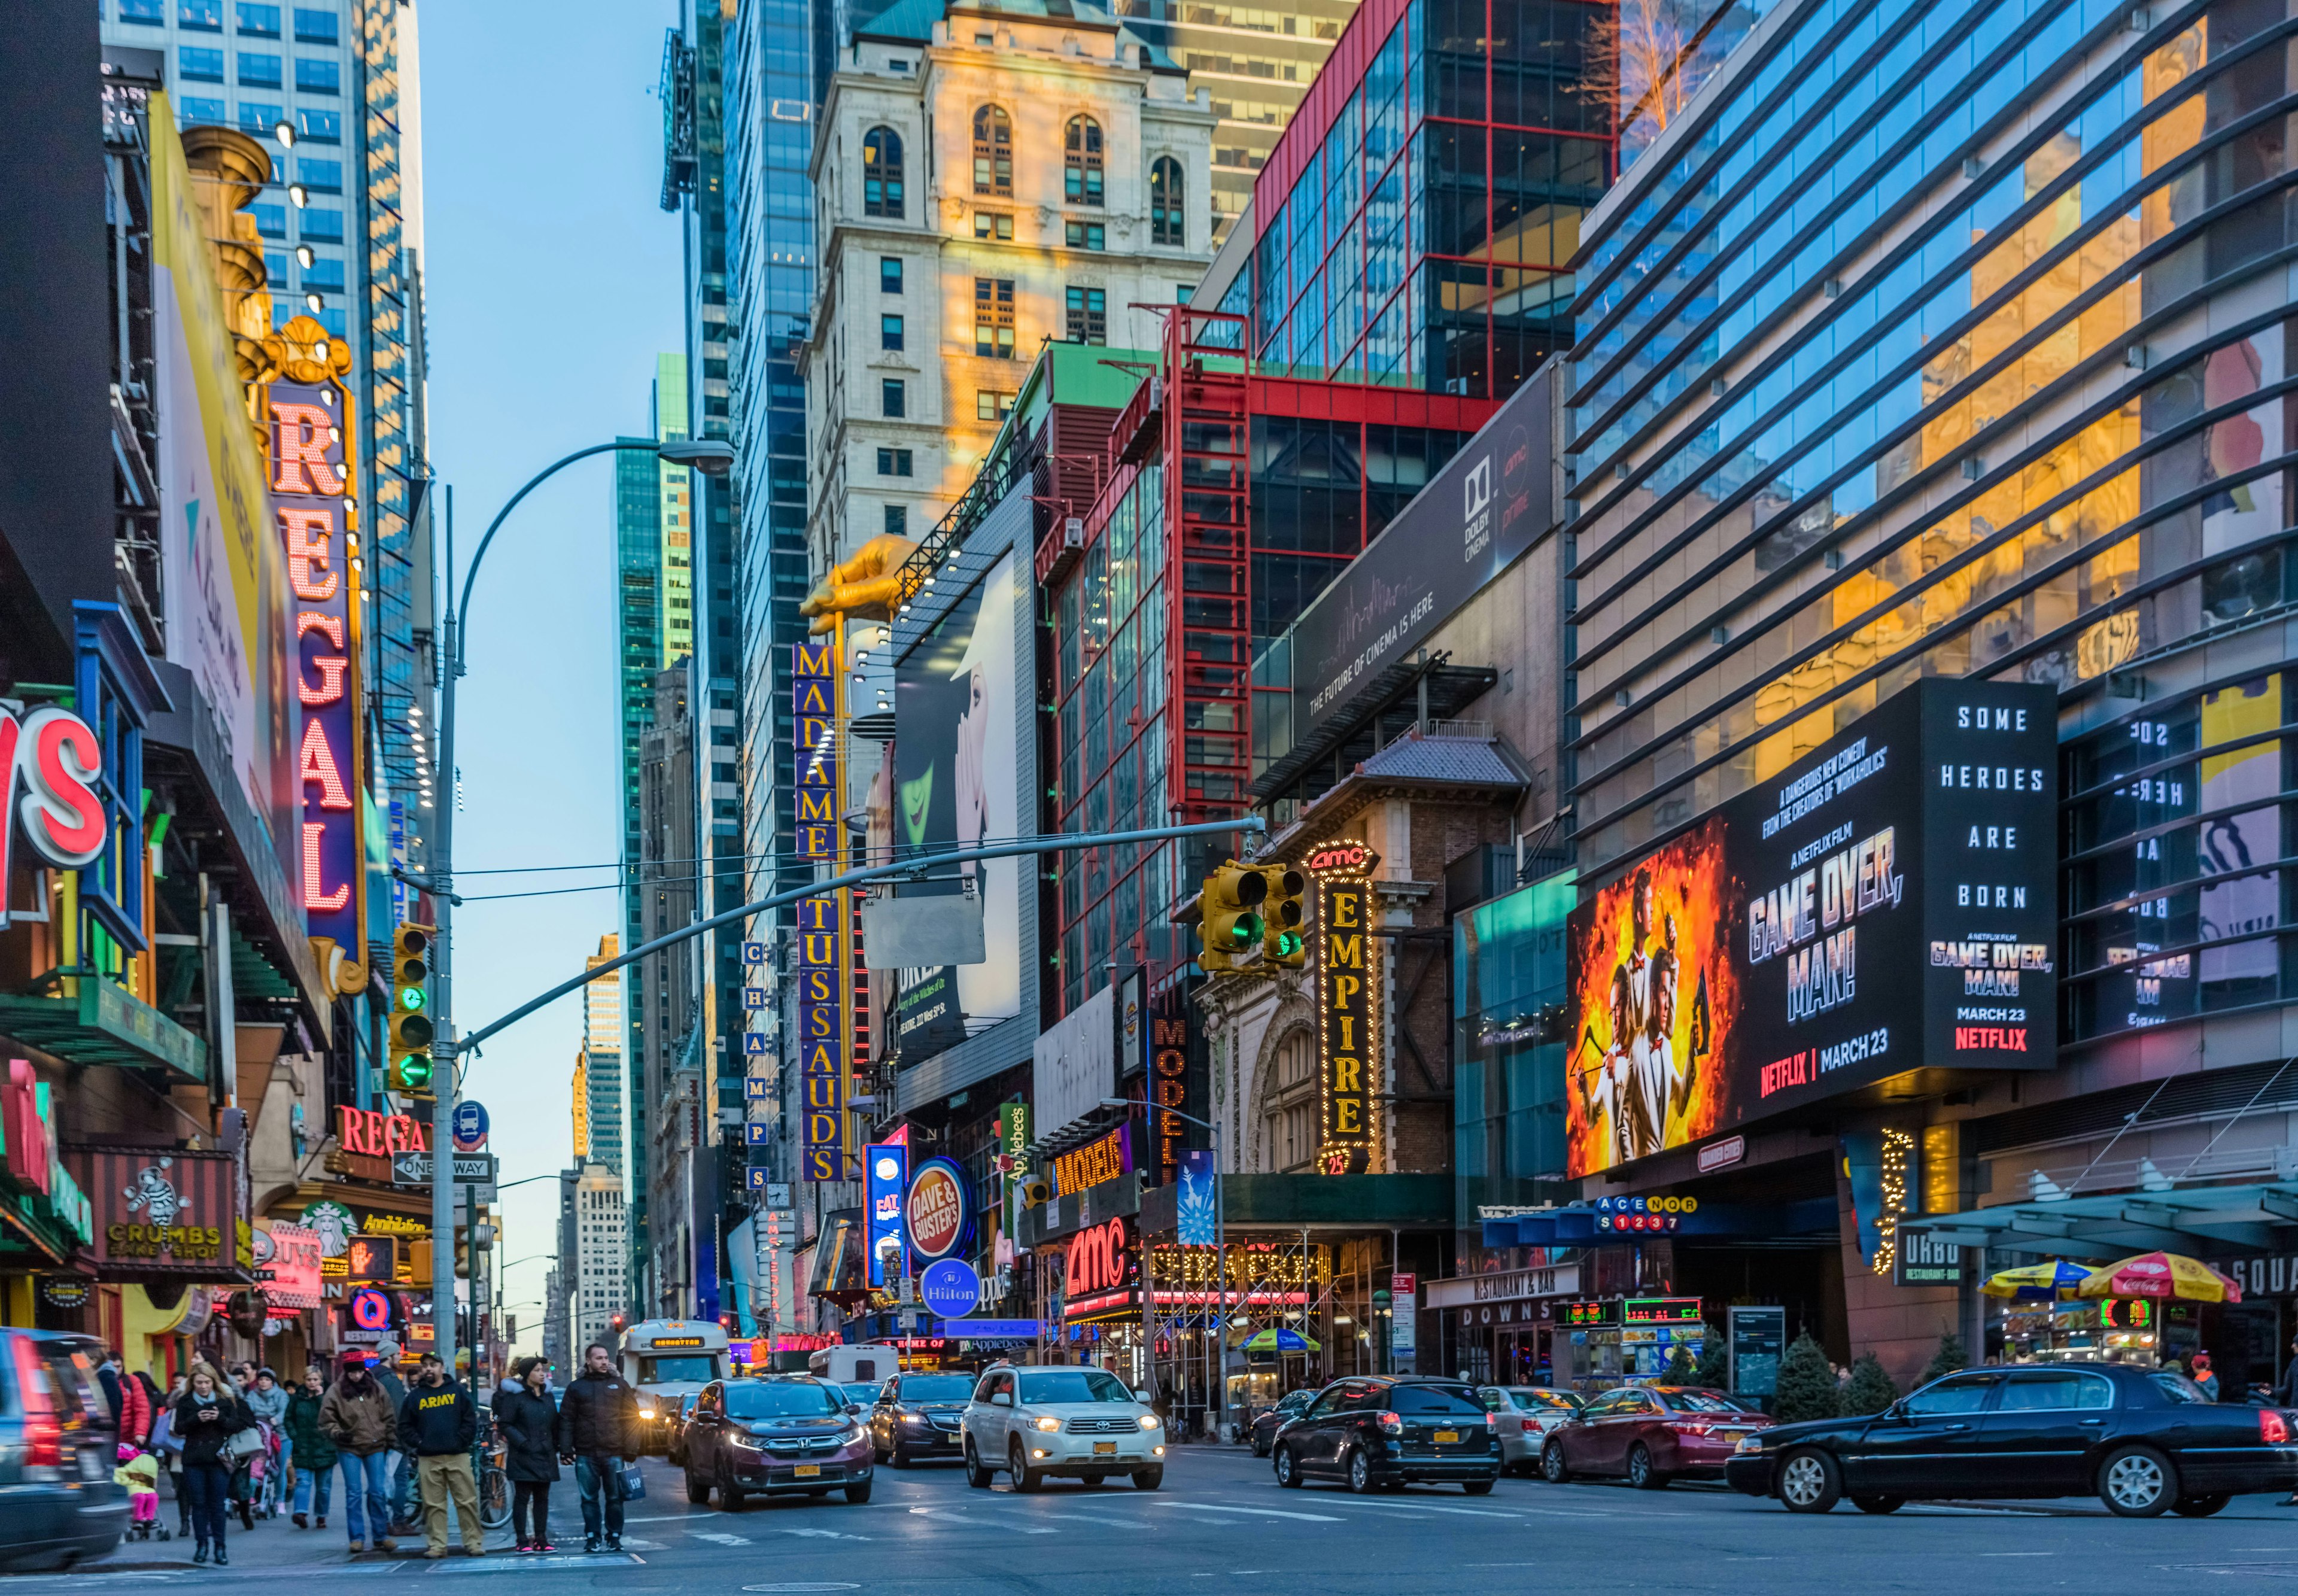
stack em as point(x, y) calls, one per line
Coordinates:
point(206, 1418)
point(529, 1421)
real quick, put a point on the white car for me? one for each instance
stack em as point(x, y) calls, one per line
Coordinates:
point(1071, 1423)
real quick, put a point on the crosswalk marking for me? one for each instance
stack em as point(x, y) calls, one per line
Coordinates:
point(959, 1516)
point(720, 1537)
point(1206, 1507)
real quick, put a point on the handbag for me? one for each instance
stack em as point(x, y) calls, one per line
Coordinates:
point(242, 1443)
point(634, 1482)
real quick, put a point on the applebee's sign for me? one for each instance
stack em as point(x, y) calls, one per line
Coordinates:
point(50, 760)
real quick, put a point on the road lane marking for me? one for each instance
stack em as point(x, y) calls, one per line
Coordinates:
point(720, 1537)
point(959, 1516)
point(1206, 1507)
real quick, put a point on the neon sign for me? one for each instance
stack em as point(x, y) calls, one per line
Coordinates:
point(1099, 1259)
point(379, 1135)
point(1348, 1008)
point(822, 921)
point(309, 470)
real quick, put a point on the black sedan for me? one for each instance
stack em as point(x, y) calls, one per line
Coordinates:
point(1381, 1434)
point(774, 1437)
point(2144, 1440)
point(920, 1416)
point(1269, 1420)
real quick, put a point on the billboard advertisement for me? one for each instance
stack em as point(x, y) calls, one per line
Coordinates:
point(1886, 902)
point(886, 1178)
point(955, 782)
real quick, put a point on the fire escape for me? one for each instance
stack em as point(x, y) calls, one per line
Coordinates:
point(1208, 592)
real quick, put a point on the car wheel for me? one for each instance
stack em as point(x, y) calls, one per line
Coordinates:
point(1810, 1482)
point(1149, 1480)
point(1092, 1479)
point(858, 1494)
point(899, 1457)
point(1288, 1468)
point(731, 1497)
point(698, 1492)
point(1259, 1446)
point(1552, 1467)
point(2138, 1482)
point(1024, 1478)
point(1361, 1480)
point(1642, 1474)
point(1879, 1504)
point(1477, 1487)
point(976, 1476)
point(2200, 1506)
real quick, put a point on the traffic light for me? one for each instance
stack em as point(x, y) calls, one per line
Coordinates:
point(462, 1252)
point(411, 1030)
point(419, 1263)
point(1230, 927)
point(1034, 1191)
point(1282, 938)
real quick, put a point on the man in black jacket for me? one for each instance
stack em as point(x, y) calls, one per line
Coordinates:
point(441, 1422)
point(598, 1428)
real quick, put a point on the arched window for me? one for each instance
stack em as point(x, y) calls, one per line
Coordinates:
point(881, 172)
point(993, 151)
point(1288, 1099)
point(1169, 222)
point(1081, 179)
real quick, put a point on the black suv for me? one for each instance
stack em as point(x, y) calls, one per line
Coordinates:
point(1381, 1433)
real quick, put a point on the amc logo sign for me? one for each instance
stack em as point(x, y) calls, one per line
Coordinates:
point(53, 760)
point(1344, 857)
point(1099, 1259)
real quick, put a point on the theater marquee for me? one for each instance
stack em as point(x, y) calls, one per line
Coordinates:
point(1349, 1050)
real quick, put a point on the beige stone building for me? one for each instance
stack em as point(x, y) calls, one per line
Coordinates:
point(985, 180)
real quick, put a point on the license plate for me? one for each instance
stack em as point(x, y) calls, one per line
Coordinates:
point(1447, 1437)
point(1104, 1449)
point(807, 1471)
point(1729, 1435)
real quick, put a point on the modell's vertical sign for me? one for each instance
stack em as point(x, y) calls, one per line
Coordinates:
point(310, 475)
point(821, 920)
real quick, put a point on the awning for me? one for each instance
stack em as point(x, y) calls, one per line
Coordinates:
point(2204, 1221)
point(1633, 1219)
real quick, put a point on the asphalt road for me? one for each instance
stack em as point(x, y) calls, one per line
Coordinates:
point(1221, 1522)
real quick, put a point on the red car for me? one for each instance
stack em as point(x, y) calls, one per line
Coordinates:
point(1649, 1435)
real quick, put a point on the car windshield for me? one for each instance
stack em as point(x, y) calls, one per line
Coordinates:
point(1533, 1397)
point(865, 1392)
point(1073, 1386)
point(936, 1388)
point(1432, 1399)
point(792, 1400)
point(1698, 1402)
point(674, 1371)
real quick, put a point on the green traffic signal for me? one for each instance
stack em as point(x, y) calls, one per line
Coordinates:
point(1245, 930)
point(410, 997)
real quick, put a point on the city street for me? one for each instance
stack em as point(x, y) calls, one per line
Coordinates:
point(1221, 1519)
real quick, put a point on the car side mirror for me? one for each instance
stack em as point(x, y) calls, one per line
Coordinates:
point(1142, 1393)
point(852, 1408)
point(1899, 1412)
point(1003, 1398)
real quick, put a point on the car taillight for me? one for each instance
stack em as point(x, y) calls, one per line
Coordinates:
point(1392, 1424)
point(2272, 1428)
point(1529, 1426)
point(44, 1432)
point(1490, 1422)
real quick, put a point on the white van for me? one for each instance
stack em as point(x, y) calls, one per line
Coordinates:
point(859, 1364)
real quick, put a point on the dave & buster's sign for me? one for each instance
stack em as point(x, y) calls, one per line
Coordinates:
point(1885, 904)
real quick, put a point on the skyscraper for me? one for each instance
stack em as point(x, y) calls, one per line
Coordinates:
point(599, 1132)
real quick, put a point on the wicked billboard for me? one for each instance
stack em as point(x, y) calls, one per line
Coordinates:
point(1884, 904)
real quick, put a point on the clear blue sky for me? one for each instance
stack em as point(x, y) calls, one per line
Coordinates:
point(552, 280)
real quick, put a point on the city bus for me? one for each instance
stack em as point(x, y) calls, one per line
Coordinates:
point(663, 1360)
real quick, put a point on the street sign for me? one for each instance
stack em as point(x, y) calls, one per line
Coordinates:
point(754, 953)
point(754, 999)
point(470, 1127)
point(990, 1329)
point(950, 1287)
point(757, 1087)
point(753, 1042)
point(474, 1168)
point(755, 1180)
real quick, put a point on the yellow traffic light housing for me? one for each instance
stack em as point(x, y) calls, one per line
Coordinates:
point(1231, 924)
point(1282, 938)
point(411, 1031)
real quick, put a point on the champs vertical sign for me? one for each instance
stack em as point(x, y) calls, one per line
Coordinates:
point(822, 923)
point(309, 424)
point(1348, 1005)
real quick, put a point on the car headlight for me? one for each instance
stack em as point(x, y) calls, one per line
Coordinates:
point(852, 1434)
point(645, 1412)
point(742, 1442)
point(1749, 1444)
point(1148, 1421)
point(912, 1418)
point(1049, 1423)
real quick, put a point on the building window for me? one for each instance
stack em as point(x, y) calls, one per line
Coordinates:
point(271, 220)
point(256, 120)
point(1087, 236)
point(889, 332)
point(199, 66)
point(894, 398)
point(897, 521)
point(881, 172)
point(320, 176)
point(257, 70)
point(1088, 316)
point(323, 274)
point(1289, 1122)
point(326, 225)
point(993, 151)
point(993, 224)
point(1081, 161)
point(993, 318)
point(262, 22)
point(320, 126)
point(196, 111)
point(993, 404)
point(316, 26)
point(318, 77)
point(205, 15)
point(1168, 222)
point(893, 462)
point(889, 274)
point(153, 12)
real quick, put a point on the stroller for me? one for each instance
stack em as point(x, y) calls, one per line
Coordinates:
point(255, 1478)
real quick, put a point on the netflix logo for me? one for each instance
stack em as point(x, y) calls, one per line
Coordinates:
point(1990, 1038)
point(1795, 1070)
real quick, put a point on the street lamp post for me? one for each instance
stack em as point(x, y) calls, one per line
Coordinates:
point(713, 457)
point(1221, 1257)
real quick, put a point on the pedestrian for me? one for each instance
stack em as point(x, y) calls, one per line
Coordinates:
point(2203, 1376)
point(529, 1421)
point(402, 1473)
point(130, 1403)
point(598, 1428)
point(207, 1416)
point(2286, 1395)
point(314, 1452)
point(442, 1422)
point(170, 1450)
point(357, 1417)
point(138, 1474)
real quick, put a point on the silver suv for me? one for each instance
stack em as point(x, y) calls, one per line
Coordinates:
point(1071, 1423)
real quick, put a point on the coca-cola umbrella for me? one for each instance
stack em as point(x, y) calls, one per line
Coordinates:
point(2161, 1276)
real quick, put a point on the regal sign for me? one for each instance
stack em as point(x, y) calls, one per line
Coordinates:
point(379, 1135)
point(311, 474)
point(1348, 1007)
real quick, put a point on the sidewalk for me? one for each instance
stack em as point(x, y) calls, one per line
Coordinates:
point(277, 1543)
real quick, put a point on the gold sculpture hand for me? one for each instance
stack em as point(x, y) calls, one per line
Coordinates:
point(866, 587)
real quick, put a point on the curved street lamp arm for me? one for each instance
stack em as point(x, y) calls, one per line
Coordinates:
point(471, 573)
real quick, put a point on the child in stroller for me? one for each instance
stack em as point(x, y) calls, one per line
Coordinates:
point(139, 1474)
point(255, 1476)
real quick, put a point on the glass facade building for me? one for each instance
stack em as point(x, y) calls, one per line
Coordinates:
point(1953, 340)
